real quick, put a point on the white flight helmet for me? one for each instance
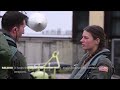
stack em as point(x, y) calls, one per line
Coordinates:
point(37, 21)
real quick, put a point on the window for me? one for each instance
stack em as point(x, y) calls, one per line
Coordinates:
point(80, 21)
point(116, 55)
point(59, 24)
point(112, 29)
point(112, 24)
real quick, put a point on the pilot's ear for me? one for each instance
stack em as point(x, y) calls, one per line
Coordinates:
point(14, 29)
point(97, 41)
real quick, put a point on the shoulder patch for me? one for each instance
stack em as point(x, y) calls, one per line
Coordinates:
point(103, 68)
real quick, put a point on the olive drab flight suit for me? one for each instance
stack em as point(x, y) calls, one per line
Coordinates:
point(98, 67)
point(18, 61)
point(5, 55)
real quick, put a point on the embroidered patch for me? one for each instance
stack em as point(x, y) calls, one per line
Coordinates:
point(103, 68)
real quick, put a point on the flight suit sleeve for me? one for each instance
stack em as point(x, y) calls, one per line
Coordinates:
point(20, 67)
point(103, 70)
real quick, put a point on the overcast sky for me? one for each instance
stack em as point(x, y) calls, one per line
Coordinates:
point(55, 19)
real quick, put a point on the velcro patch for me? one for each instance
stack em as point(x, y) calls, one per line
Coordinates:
point(103, 68)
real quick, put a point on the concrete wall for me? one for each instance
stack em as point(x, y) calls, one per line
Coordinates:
point(39, 50)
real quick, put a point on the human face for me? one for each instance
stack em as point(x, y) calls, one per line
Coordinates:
point(88, 42)
point(20, 30)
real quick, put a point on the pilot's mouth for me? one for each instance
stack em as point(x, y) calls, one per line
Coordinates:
point(83, 45)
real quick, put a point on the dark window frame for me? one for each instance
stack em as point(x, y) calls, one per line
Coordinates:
point(113, 46)
point(78, 25)
point(108, 24)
